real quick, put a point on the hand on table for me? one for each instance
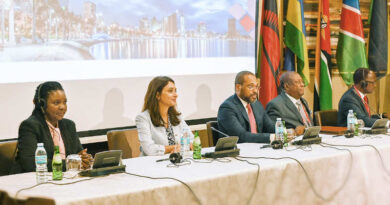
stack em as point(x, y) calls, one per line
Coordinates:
point(86, 159)
point(299, 130)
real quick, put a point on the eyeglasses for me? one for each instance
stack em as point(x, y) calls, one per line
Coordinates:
point(371, 82)
point(251, 87)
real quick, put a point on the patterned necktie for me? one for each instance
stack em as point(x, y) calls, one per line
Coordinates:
point(366, 105)
point(304, 115)
point(252, 120)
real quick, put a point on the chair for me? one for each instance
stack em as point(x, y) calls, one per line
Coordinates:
point(5, 199)
point(125, 140)
point(326, 118)
point(7, 156)
point(213, 135)
point(204, 137)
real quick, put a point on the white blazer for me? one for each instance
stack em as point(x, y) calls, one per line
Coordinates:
point(154, 139)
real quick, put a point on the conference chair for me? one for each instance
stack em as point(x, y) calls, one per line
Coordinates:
point(326, 118)
point(213, 135)
point(126, 140)
point(5, 199)
point(7, 156)
point(204, 137)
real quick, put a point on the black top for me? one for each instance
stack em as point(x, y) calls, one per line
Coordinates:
point(35, 130)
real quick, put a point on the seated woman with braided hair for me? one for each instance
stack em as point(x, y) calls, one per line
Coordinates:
point(47, 125)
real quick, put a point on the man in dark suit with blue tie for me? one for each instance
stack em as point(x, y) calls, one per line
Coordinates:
point(356, 99)
point(243, 115)
point(290, 104)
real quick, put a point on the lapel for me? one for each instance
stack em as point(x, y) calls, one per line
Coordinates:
point(47, 138)
point(290, 105)
point(240, 107)
point(359, 99)
point(64, 135)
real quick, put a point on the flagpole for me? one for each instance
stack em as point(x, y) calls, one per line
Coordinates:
point(318, 48)
point(281, 30)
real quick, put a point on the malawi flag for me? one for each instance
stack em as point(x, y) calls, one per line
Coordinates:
point(270, 53)
point(323, 81)
point(295, 40)
point(350, 52)
point(378, 43)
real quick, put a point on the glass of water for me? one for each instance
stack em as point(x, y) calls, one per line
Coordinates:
point(73, 164)
point(360, 124)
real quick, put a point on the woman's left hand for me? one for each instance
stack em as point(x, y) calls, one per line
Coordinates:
point(86, 159)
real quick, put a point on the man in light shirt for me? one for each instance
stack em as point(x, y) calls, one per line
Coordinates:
point(356, 99)
point(290, 105)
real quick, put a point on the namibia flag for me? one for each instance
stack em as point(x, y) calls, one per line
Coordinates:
point(350, 52)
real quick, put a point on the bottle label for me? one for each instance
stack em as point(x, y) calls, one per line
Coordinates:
point(57, 158)
point(41, 159)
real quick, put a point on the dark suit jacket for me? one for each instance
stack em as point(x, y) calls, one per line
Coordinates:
point(352, 101)
point(35, 130)
point(233, 120)
point(282, 107)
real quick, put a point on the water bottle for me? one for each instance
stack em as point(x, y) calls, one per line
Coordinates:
point(57, 164)
point(41, 164)
point(185, 143)
point(279, 130)
point(197, 147)
point(351, 121)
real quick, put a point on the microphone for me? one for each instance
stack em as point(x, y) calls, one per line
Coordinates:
point(224, 134)
point(174, 158)
point(161, 160)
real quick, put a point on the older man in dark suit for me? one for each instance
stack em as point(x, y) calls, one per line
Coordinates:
point(356, 99)
point(243, 115)
point(290, 105)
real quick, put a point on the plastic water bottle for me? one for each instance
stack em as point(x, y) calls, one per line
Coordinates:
point(185, 143)
point(41, 164)
point(351, 121)
point(279, 130)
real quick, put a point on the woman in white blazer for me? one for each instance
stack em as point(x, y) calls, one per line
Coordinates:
point(160, 125)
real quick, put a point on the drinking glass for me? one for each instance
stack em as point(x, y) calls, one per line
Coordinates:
point(360, 123)
point(73, 164)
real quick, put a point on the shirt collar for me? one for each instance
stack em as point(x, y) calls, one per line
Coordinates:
point(244, 103)
point(293, 100)
point(362, 95)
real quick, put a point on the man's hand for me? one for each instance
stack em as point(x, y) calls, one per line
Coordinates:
point(299, 130)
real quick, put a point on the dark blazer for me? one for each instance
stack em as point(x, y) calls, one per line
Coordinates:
point(282, 107)
point(352, 101)
point(233, 120)
point(34, 130)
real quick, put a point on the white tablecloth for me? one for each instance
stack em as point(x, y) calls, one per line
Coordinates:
point(280, 181)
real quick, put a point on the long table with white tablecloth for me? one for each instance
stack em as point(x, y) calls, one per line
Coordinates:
point(334, 176)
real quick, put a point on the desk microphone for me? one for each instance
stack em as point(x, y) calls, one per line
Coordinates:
point(224, 134)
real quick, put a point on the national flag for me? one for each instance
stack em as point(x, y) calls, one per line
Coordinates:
point(270, 53)
point(295, 38)
point(322, 80)
point(350, 52)
point(378, 42)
